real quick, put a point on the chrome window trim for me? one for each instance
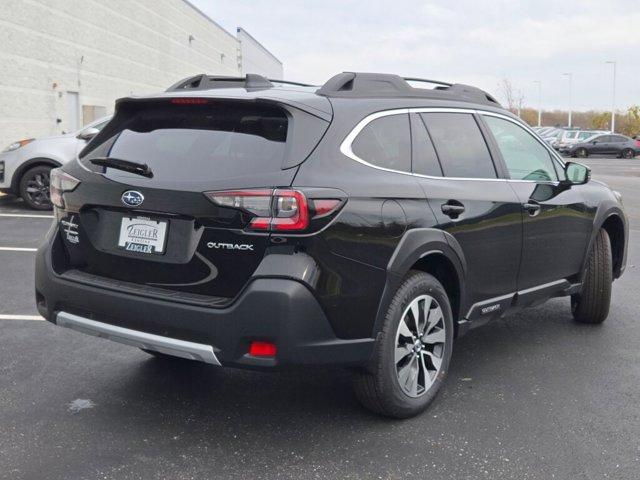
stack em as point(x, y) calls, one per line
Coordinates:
point(346, 145)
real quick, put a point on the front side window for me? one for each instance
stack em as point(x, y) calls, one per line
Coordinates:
point(585, 135)
point(460, 145)
point(570, 135)
point(525, 157)
point(385, 142)
point(101, 125)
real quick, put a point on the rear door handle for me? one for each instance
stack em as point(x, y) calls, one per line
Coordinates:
point(452, 208)
point(532, 208)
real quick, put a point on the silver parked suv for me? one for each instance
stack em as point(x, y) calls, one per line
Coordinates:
point(25, 164)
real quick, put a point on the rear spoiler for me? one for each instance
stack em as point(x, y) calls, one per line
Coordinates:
point(311, 105)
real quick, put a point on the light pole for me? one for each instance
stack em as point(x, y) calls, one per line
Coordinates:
point(570, 77)
point(539, 101)
point(613, 97)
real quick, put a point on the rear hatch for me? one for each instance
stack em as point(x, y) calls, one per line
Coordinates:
point(180, 223)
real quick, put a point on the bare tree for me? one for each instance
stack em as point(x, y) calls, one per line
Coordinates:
point(519, 102)
point(514, 98)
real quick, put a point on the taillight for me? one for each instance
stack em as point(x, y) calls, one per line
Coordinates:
point(61, 182)
point(290, 212)
point(324, 206)
point(279, 210)
point(257, 202)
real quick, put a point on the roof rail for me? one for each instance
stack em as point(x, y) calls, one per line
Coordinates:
point(207, 82)
point(424, 80)
point(288, 82)
point(355, 84)
point(250, 81)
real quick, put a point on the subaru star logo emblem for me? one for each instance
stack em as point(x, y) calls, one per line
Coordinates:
point(132, 198)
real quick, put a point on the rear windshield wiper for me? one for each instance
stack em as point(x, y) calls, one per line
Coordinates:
point(125, 165)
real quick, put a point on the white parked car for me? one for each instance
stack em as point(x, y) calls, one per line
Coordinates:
point(25, 164)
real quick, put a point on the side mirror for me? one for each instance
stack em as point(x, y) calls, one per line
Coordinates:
point(576, 173)
point(88, 133)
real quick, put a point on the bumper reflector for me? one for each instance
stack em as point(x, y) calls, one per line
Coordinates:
point(262, 349)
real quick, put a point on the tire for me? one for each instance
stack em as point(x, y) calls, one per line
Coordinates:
point(378, 387)
point(582, 153)
point(628, 153)
point(34, 188)
point(591, 305)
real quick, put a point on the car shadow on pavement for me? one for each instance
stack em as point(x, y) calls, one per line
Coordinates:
point(530, 381)
point(181, 395)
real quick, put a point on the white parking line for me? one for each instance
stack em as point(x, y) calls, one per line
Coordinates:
point(21, 317)
point(25, 215)
point(17, 249)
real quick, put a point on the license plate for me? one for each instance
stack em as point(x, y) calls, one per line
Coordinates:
point(142, 235)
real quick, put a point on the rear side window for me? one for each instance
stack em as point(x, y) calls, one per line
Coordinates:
point(385, 142)
point(525, 157)
point(460, 145)
point(195, 142)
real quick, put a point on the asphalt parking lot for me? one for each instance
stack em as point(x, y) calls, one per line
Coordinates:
point(532, 396)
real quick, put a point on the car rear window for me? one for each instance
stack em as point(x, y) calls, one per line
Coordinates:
point(189, 142)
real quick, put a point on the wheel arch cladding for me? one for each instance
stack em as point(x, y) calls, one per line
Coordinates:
point(430, 251)
point(614, 226)
point(444, 270)
point(610, 217)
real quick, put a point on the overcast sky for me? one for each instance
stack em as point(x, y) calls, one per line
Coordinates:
point(469, 41)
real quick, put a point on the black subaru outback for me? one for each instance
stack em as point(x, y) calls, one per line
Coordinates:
point(367, 223)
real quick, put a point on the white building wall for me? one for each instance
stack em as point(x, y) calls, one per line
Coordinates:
point(255, 58)
point(101, 49)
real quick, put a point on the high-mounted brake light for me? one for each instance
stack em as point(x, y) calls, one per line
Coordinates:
point(59, 183)
point(189, 101)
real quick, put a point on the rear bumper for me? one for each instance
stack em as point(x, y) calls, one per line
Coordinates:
point(271, 308)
